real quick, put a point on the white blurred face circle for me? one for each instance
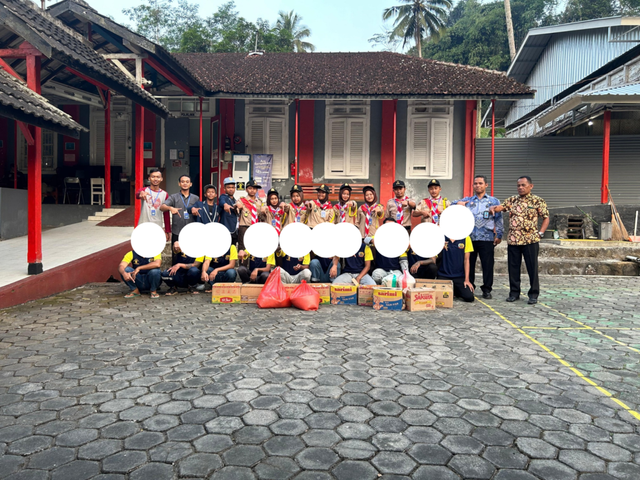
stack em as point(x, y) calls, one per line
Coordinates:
point(324, 240)
point(261, 240)
point(192, 239)
point(217, 240)
point(457, 222)
point(349, 240)
point(391, 240)
point(295, 240)
point(427, 240)
point(148, 240)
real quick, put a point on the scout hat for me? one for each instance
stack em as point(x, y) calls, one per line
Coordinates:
point(228, 181)
point(345, 186)
point(272, 191)
point(323, 188)
point(296, 188)
point(398, 184)
point(434, 183)
point(368, 187)
point(252, 183)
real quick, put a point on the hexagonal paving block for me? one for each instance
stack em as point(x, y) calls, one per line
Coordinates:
point(349, 470)
point(316, 458)
point(393, 463)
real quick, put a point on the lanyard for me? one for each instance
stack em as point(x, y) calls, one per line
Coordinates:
point(154, 199)
point(205, 207)
point(186, 204)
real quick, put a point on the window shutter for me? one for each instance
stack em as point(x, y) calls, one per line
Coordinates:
point(256, 136)
point(275, 146)
point(337, 145)
point(420, 144)
point(439, 148)
point(98, 131)
point(120, 144)
point(356, 148)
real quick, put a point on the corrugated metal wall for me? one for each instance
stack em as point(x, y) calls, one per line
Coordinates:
point(565, 170)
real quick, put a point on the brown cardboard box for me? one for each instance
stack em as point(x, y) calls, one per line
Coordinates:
point(444, 291)
point(365, 295)
point(249, 292)
point(418, 299)
point(344, 295)
point(226, 293)
point(387, 298)
point(290, 287)
point(324, 290)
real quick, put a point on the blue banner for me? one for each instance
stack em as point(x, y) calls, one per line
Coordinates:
point(262, 165)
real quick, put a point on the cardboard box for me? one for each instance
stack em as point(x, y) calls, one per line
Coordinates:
point(226, 293)
point(444, 291)
point(249, 292)
point(344, 295)
point(290, 287)
point(386, 298)
point(365, 295)
point(324, 290)
point(418, 299)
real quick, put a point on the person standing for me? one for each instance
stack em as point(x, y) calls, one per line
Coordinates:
point(486, 235)
point(370, 214)
point(152, 198)
point(249, 209)
point(525, 209)
point(346, 210)
point(320, 210)
point(432, 207)
point(228, 209)
point(296, 211)
point(207, 211)
point(401, 206)
point(180, 205)
point(273, 212)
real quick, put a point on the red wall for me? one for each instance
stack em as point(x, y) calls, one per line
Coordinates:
point(4, 138)
point(387, 150)
point(305, 141)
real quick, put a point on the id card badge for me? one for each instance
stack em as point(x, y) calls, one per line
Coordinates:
point(485, 215)
point(153, 212)
point(186, 215)
point(323, 213)
point(273, 223)
point(398, 216)
point(298, 218)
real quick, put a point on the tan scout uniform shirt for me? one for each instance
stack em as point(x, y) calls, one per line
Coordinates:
point(441, 206)
point(314, 217)
point(351, 212)
point(376, 221)
point(392, 210)
point(290, 214)
point(245, 214)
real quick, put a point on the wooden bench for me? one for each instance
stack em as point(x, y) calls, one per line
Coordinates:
point(309, 190)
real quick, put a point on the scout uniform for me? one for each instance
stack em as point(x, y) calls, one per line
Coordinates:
point(227, 276)
point(274, 215)
point(254, 263)
point(435, 206)
point(295, 213)
point(145, 279)
point(395, 210)
point(320, 212)
point(354, 265)
point(250, 214)
point(347, 212)
point(288, 274)
point(452, 266)
point(368, 221)
point(184, 277)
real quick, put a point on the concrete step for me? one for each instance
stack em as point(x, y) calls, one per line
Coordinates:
point(588, 250)
point(112, 210)
point(95, 218)
point(577, 266)
point(104, 214)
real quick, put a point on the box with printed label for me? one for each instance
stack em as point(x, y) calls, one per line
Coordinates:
point(417, 299)
point(386, 298)
point(324, 290)
point(365, 295)
point(344, 295)
point(226, 293)
point(444, 291)
point(290, 287)
point(249, 292)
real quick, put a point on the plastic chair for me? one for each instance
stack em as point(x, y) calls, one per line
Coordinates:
point(71, 184)
point(97, 190)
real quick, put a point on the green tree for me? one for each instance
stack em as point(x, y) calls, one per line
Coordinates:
point(416, 19)
point(152, 20)
point(578, 10)
point(291, 23)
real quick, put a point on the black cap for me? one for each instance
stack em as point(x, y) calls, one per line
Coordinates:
point(207, 187)
point(322, 188)
point(252, 183)
point(272, 191)
point(434, 183)
point(345, 186)
point(296, 188)
point(398, 184)
point(368, 187)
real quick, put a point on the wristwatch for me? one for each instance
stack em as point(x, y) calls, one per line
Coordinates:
point(541, 233)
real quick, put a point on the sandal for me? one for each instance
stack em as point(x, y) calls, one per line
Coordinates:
point(194, 292)
point(172, 291)
point(131, 295)
point(154, 295)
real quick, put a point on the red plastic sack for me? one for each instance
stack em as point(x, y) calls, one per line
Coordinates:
point(305, 298)
point(273, 294)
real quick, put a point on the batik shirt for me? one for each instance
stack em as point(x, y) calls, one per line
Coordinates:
point(483, 230)
point(524, 213)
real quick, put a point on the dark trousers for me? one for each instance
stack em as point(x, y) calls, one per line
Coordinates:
point(459, 290)
point(241, 231)
point(484, 250)
point(174, 255)
point(427, 272)
point(183, 278)
point(245, 275)
point(514, 258)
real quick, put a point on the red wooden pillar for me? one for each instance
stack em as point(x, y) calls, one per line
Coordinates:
point(387, 150)
point(296, 144)
point(469, 147)
point(305, 141)
point(139, 159)
point(201, 146)
point(493, 141)
point(34, 179)
point(107, 151)
point(604, 197)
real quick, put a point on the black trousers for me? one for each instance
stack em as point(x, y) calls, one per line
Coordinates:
point(428, 272)
point(484, 250)
point(174, 239)
point(514, 258)
point(459, 290)
point(245, 275)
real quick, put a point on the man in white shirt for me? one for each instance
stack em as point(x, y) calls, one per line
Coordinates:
point(152, 198)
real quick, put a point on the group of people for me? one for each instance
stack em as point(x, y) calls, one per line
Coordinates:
point(456, 262)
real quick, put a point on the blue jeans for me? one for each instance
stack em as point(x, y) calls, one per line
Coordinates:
point(319, 275)
point(228, 276)
point(146, 280)
point(183, 278)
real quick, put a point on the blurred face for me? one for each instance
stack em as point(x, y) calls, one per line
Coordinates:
point(434, 191)
point(479, 185)
point(322, 196)
point(176, 247)
point(524, 187)
point(211, 193)
point(274, 200)
point(345, 195)
point(230, 189)
point(185, 183)
point(296, 198)
point(155, 179)
point(369, 197)
point(251, 191)
point(399, 191)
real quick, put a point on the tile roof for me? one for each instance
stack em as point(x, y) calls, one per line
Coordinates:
point(381, 74)
point(63, 44)
point(19, 102)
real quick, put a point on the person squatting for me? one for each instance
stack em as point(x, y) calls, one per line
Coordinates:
point(456, 262)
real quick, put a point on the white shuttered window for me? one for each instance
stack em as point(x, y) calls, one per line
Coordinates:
point(429, 140)
point(347, 140)
point(266, 128)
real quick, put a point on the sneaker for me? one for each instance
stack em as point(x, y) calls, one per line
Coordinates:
point(200, 287)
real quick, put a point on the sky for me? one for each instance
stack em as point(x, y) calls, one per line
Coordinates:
point(336, 25)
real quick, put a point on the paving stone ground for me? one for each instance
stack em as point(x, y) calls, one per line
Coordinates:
point(96, 386)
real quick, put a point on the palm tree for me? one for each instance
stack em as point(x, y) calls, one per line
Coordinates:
point(291, 22)
point(417, 18)
point(512, 40)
